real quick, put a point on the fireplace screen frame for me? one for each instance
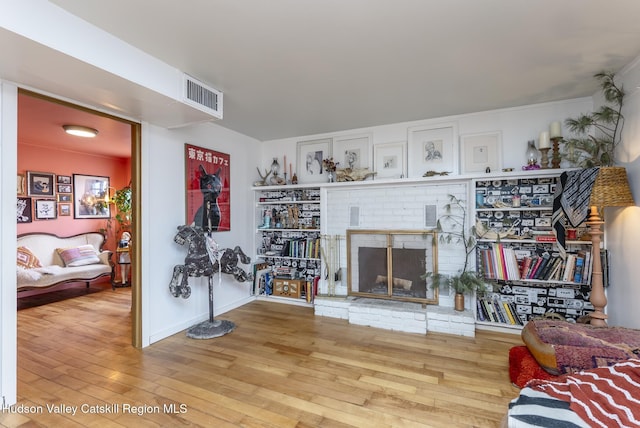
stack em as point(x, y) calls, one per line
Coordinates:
point(378, 246)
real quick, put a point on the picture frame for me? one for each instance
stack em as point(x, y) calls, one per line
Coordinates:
point(64, 210)
point(20, 185)
point(45, 209)
point(89, 193)
point(63, 179)
point(40, 183)
point(65, 197)
point(63, 188)
point(309, 160)
point(213, 170)
point(390, 159)
point(481, 151)
point(432, 148)
point(352, 151)
point(24, 212)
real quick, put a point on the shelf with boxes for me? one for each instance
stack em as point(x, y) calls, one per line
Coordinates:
point(518, 255)
point(287, 242)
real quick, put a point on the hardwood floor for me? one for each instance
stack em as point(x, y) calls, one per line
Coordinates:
point(281, 367)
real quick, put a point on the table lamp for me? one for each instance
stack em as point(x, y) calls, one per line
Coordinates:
point(610, 189)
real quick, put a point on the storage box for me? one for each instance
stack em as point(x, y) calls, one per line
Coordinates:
point(287, 287)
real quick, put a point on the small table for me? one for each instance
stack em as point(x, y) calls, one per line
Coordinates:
point(124, 261)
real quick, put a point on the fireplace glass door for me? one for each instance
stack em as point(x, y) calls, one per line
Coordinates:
point(391, 264)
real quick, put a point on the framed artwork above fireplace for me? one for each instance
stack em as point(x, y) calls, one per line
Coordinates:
point(391, 264)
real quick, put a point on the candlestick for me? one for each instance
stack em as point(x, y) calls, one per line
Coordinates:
point(555, 130)
point(555, 159)
point(543, 142)
point(544, 162)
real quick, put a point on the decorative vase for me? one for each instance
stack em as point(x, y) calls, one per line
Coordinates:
point(331, 176)
point(458, 302)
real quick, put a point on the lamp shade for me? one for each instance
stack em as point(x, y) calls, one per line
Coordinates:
point(611, 188)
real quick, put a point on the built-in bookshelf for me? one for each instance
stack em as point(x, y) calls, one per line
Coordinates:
point(518, 255)
point(287, 242)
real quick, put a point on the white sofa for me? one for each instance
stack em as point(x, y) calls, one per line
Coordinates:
point(52, 270)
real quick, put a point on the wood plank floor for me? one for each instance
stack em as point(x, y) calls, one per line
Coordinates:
point(281, 367)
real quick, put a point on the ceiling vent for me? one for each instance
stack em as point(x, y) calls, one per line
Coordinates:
point(202, 97)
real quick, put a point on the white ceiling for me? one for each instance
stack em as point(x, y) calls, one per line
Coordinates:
point(301, 67)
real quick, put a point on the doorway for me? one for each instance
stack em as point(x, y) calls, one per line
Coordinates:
point(113, 153)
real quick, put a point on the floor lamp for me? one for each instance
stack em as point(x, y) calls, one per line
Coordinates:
point(611, 189)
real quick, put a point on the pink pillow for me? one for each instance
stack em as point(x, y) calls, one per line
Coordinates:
point(78, 256)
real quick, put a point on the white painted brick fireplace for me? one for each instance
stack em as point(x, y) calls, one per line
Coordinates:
point(393, 204)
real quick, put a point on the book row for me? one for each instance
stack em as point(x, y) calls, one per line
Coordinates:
point(503, 262)
point(524, 303)
point(495, 310)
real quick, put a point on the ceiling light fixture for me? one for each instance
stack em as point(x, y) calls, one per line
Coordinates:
point(80, 131)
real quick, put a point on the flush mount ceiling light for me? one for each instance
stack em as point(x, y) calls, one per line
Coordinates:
point(80, 131)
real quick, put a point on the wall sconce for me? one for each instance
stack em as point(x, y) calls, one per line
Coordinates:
point(80, 131)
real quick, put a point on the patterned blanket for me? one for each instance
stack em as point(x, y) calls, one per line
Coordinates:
point(571, 201)
point(562, 347)
point(601, 397)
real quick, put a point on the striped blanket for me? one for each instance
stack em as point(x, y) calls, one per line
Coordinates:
point(600, 397)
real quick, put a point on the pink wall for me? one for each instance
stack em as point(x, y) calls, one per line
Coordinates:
point(42, 159)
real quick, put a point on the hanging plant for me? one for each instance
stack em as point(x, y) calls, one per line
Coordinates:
point(599, 133)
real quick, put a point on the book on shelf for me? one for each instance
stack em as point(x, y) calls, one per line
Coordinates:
point(507, 311)
point(481, 312)
point(577, 275)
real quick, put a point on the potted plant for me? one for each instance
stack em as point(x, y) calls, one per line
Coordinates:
point(122, 202)
point(452, 230)
point(598, 132)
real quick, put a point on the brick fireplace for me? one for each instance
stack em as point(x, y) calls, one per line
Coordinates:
point(406, 205)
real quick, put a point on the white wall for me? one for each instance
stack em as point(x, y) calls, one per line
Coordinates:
point(8, 230)
point(622, 227)
point(518, 125)
point(164, 209)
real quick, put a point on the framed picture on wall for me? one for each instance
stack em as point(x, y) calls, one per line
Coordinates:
point(63, 179)
point(40, 183)
point(309, 160)
point(89, 192)
point(390, 160)
point(208, 188)
point(352, 151)
point(45, 209)
point(20, 183)
point(64, 188)
point(480, 151)
point(64, 209)
point(24, 214)
point(433, 148)
point(65, 197)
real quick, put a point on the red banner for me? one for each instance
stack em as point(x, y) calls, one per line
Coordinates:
point(208, 189)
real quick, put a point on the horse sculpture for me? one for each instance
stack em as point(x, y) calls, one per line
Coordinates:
point(198, 261)
point(205, 258)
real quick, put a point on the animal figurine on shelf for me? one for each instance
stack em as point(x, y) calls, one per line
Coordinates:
point(208, 215)
point(263, 178)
